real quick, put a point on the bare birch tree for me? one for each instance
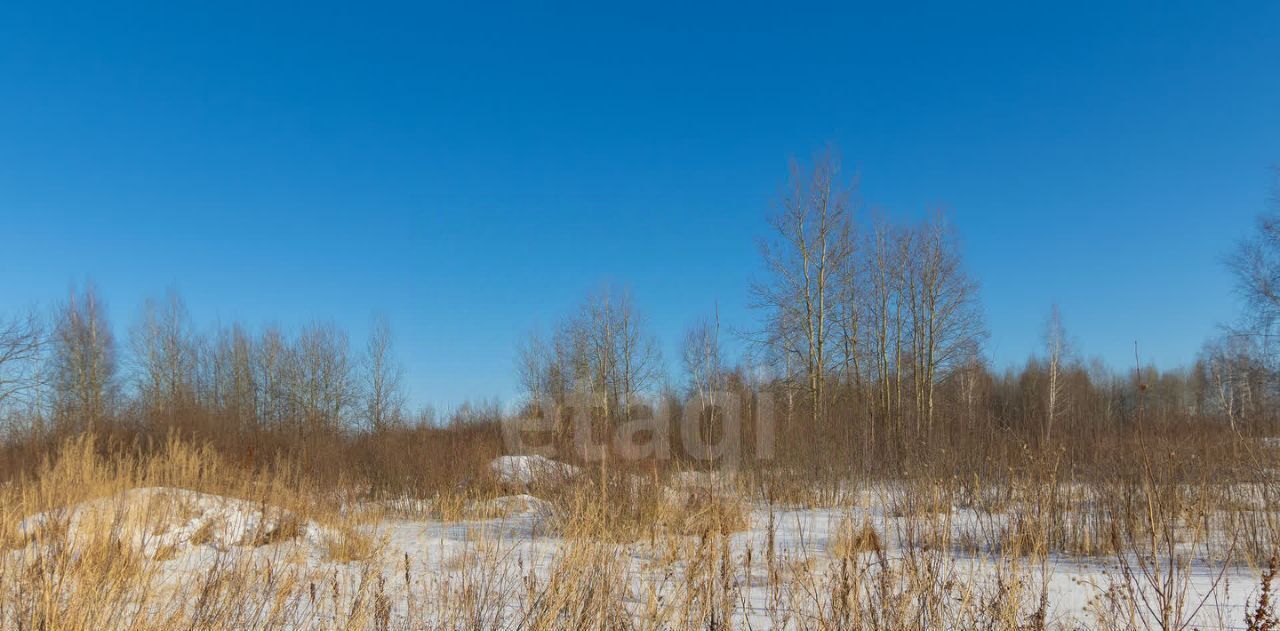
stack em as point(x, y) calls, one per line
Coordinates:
point(1256, 266)
point(885, 252)
point(703, 360)
point(602, 355)
point(84, 357)
point(704, 368)
point(231, 381)
point(382, 377)
point(1056, 350)
point(1234, 371)
point(622, 357)
point(322, 388)
point(270, 368)
point(548, 369)
point(849, 316)
point(946, 322)
point(165, 354)
point(804, 260)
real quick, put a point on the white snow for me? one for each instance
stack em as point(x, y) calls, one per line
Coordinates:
point(507, 535)
point(530, 469)
point(158, 518)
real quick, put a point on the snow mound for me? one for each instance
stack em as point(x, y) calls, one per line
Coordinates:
point(527, 470)
point(157, 519)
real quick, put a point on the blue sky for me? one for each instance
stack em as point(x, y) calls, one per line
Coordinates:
point(472, 172)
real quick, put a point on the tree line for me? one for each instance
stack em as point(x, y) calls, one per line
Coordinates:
point(69, 372)
point(869, 334)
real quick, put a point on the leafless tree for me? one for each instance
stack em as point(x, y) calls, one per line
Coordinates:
point(553, 371)
point(946, 321)
point(704, 368)
point(22, 342)
point(272, 361)
point(165, 354)
point(804, 260)
point(886, 251)
point(603, 355)
point(321, 384)
point(84, 358)
point(851, 299)
point(621, 357)
point(1256, 266)
point(1237, 378)
point(382, 379)
point(231, 383)
point(703, 359)
point(1057, 349)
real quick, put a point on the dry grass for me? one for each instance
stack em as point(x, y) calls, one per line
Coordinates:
point(348, 544)
point(109, 568)
point(850, 540)
point(705, 512)
point(101, 565)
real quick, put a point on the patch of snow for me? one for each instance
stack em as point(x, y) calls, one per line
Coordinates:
point(526, 470)
point(507, 540)
point(159, 518)
point(517, 505)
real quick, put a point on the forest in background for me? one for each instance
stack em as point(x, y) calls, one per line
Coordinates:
point(868, 344)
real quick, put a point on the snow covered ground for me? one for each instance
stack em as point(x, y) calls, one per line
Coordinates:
point(528, 469)
point(1073, 585)
point(159, 519)
point(423, 565)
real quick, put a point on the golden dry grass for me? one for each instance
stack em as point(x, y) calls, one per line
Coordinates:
point(93, 574)
point(853, 539)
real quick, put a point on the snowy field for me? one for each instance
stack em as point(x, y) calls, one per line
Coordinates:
point(501, 562)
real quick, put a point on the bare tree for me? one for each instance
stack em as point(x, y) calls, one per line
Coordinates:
point(703, 360)
point(886, 251)
point(22, 342)
point(704, 367)
point(271, 365)
point(165, 354)
point(84, 357)
point(382, 377)
point(946, 322)
point(1057, 349)
point(533, 365)
point(320, 381)
point(1256, 265)
point(603, 355)
point(804, 260)
point(548, 370)
point(1237, 378)
point(230, 381)
point(849, 315)
point(621, 357)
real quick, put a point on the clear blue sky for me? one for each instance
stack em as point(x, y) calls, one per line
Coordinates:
point(472, 172)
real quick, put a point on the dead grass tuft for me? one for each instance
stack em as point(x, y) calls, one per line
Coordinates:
point(851, 540)
point(349, 544)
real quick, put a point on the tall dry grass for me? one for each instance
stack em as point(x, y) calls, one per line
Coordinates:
point(648, 545)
